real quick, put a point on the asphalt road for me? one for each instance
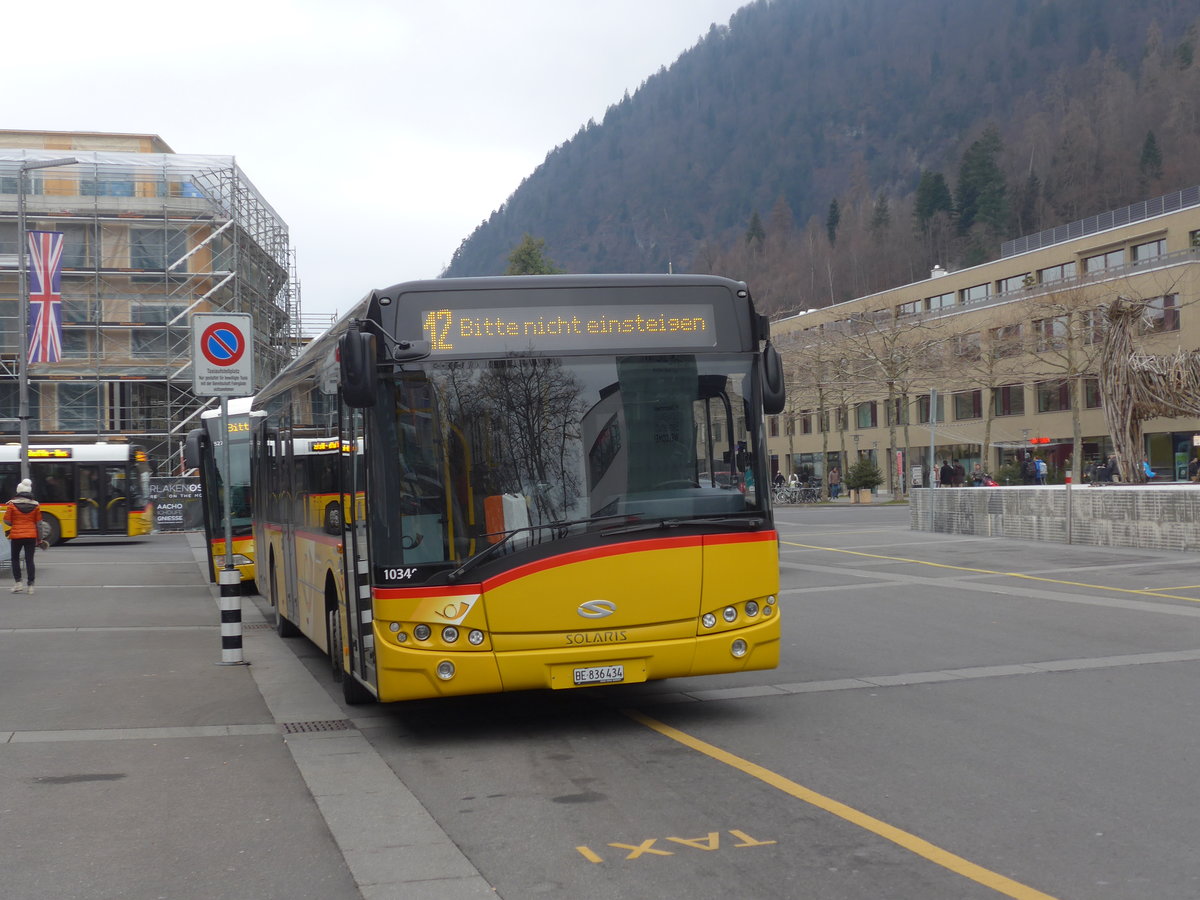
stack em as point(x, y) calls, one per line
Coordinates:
point(953, 717)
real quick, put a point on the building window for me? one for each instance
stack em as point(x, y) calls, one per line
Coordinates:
point(806, 422)
point(78, 407)
point(1006, 341)
point(908, 309)
point(1161, 315)
point(923, 409)
point(1009, 400)
point(968, 405)
point(968, 346)
point(1053, 396)
point(823, 421)
point(1051, 333)
point(843, 418)
point(1111, 260)
point(157, 248)
point(941, 301)
point(865, 414)
point(897, 412)
point(76, 343)
point(1093, 324)
point(107, 187)
point(1016, 283)
point(1149, 250)
point(1091, 393)
point(160, 341)
point(976, 294)
point(1051, 274)
point(773, 426)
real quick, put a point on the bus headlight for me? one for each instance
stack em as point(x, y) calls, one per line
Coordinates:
point(708, 620)
point(729, 614)
point(449, 634)
point(475, 637)
point(751, 608)
point(771, 600)
point(738, 648)
point(445, 670)
point(421, 632)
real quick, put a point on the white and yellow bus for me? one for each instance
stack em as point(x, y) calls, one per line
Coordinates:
point(84, 489)
point(204, 451)
point(479, 485)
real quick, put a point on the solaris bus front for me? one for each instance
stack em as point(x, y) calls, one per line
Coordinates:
point(565, 485)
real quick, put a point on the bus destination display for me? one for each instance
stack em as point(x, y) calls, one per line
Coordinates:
point(551, 329)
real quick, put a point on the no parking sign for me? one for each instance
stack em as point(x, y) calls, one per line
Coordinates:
point(222, 355)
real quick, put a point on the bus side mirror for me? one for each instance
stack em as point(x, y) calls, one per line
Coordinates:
point(356, 359)
point(774, 390)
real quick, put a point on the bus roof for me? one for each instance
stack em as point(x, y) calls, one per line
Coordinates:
point(238, 406)
point(100, 451)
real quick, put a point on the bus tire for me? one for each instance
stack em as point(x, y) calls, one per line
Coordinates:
point(283, 627)
point(352, 691)
point(55, 534)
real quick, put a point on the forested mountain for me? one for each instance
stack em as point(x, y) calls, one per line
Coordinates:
point(824, 149)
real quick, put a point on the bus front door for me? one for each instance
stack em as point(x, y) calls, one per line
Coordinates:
point(102, 506)
point(88, 506)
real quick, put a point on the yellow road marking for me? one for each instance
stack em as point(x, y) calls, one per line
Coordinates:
point(910, 842)
point(1082, 584)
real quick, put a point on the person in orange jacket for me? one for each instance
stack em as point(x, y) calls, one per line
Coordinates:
point(23, 514)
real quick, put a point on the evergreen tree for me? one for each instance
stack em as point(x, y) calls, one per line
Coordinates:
point(832, 220)
point(1150, 165)
point(882, 215)
point(933, 196)
point(981, 188)
point(528, 258)
point(754, 233)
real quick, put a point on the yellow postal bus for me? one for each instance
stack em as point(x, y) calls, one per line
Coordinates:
point(84, 489)
point(204, 451)
point(524, 482)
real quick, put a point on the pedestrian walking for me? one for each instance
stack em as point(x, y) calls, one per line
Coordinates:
point(835, 482)
point(23, 515)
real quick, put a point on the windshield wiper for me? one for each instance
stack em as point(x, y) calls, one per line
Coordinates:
point(488, 552)
point(677, 521)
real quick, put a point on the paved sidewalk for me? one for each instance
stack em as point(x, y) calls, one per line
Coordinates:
point(137, 767)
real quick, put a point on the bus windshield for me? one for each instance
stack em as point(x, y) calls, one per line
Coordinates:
point(482, 452)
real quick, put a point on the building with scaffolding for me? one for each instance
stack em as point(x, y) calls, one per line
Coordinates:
point(150, 237)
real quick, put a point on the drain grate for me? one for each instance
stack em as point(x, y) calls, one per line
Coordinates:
point(306, 727)
point(257, 626)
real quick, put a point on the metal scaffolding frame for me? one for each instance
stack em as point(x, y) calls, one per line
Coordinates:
point(150, 239)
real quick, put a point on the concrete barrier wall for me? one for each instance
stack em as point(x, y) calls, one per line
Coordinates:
point(1158, 517)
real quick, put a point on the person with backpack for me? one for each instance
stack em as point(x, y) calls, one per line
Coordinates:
point(1040, 470)
point(23, 515)
point(1028, 470)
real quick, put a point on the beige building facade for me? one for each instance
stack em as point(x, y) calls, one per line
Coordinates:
point(993, 363)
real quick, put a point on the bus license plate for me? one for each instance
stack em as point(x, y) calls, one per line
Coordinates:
point(600, 675)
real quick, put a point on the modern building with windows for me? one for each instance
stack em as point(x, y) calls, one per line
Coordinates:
point(151, 237)
point(998, 361)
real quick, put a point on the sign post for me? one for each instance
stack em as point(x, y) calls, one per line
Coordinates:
point(223, 366)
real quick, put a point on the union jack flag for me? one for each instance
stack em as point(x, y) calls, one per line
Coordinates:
point(45, 296)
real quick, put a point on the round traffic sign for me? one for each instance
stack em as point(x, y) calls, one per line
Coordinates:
point(222, 343)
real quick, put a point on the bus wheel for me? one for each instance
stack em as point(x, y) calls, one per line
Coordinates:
point(55, 535)
point(352, 692)
point(283, 627)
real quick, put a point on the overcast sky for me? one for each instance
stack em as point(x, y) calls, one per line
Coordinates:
point(382, 131)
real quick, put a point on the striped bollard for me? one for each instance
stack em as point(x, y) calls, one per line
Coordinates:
point(231, 618)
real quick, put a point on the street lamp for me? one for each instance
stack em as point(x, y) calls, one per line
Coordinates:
point(23, 293)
